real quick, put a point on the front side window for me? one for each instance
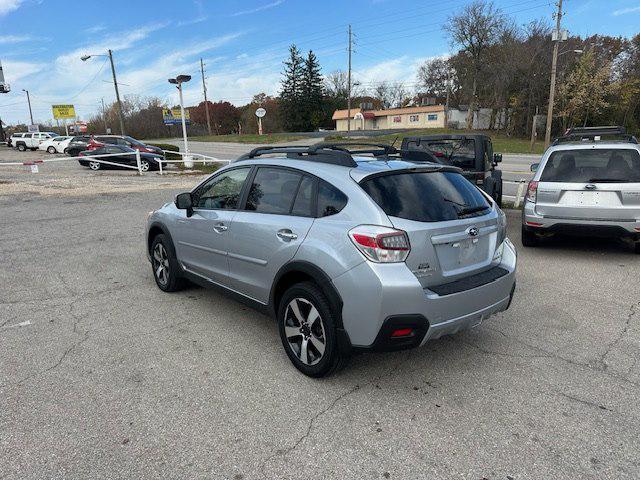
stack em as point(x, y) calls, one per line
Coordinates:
point(222, 192)
point(615, 165)
point(273, 191)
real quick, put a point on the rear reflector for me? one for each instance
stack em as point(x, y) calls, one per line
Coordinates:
point(402, 332)
point(534, 224)
point(637, 229)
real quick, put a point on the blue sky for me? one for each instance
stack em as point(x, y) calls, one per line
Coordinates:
point(242, 42)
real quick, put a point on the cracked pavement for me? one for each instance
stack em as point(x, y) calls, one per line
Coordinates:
point(114, 379)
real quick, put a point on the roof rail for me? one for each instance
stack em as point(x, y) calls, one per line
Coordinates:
point(312, 154)
point(593, 134)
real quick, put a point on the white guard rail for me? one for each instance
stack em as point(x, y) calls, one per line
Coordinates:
point(94, 158)
point(190, 158)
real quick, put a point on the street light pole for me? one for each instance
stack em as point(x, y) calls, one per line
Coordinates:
point(179, 80)
point(115, 83)
point(349, 86)
point(29, 102)
point(109, 54)
point(552, 88)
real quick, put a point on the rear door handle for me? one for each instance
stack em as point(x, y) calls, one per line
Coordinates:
point(220, 227)
point(286, 234)
point(590, 186)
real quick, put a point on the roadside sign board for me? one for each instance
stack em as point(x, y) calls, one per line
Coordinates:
point(33, 128)
point(260, 112)
point(62, 112)
point(173, 116)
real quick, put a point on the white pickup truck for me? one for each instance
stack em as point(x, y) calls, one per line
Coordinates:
point(22, 141)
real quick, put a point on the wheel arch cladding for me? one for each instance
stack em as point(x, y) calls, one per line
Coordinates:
point(155, 230)
point(299, 271)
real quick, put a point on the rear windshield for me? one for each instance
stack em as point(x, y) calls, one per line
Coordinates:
point(592, 166)
point(457, 152)
point(426, 196)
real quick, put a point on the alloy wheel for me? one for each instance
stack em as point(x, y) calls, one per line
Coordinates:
point(94, 165)
point(144, 166)
point(304, 330)
point(161, 264)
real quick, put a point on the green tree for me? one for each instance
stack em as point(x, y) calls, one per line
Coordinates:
point(312, 93)
point(583, 96)
point(291, 109)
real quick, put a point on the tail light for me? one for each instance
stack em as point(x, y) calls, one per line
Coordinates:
point(479, 178)
point(381, 244)
point(532, 192)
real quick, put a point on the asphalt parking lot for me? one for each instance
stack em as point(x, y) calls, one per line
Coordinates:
point(104, 376)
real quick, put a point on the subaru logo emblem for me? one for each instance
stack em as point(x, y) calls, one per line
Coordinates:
point(473, 231)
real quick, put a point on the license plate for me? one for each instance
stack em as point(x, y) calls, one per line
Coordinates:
point(587, 199)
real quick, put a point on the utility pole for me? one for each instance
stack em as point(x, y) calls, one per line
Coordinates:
point(104, 117)
point(552, 88)
point(349, 85)
point(29, 102)
point(115, 83)
point(206, 104)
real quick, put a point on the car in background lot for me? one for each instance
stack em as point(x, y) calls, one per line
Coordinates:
point(11, 141)
point(55, 144)
point(588, 184)
point(78, 144)
point(98, 141)
point(148, 161)
point(346, 251)
point(31, 140)
point(473, 153)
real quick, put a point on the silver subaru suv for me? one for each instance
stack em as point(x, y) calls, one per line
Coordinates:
point(377, 249)
point(587, 183)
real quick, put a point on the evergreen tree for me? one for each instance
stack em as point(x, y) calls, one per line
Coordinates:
point(312, 93)
point(291, 91)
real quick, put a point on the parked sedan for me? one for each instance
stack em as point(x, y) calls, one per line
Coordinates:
point(55, 144)
point(78, 144)
point(148, 161)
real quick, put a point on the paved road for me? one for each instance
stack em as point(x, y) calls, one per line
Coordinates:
point(104, 376)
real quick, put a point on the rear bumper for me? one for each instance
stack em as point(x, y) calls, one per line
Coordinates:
point(395, 293)
point(582, 227)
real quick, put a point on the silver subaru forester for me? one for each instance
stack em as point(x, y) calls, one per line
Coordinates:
point(587, 184)
point(379, 250)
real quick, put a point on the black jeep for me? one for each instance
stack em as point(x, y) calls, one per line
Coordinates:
point(473, 153)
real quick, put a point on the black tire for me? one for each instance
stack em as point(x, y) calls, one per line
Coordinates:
point(529, 239)
point(498, 197)
point(21, 147)
point(637, 247)
point(52, 150)
point(172, 281)
point(307, 294)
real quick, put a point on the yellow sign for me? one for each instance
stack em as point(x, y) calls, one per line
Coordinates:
point(63, 111)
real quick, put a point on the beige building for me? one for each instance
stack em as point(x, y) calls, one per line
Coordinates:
point(431, 116)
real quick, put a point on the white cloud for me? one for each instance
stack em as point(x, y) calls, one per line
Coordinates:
point(623, 11)
point(15, 71)
point(184, 23)
point(258, 9)
point(7, 6)
point(4, 39)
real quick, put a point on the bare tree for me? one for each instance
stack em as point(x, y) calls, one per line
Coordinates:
point(435, 75)
point(336, 84)
point(382, 92)
point(475, 30)
point(398, 95)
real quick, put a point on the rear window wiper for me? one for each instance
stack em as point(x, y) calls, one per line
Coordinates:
point(469, 210)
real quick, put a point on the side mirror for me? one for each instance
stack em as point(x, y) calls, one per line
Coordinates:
point(184, 202)
point(534, 167)
point(497, 158)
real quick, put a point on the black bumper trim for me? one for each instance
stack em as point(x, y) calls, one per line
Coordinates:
point(468, 283)
point(384, 342)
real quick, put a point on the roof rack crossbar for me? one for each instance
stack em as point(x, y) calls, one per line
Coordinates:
point(334, 157)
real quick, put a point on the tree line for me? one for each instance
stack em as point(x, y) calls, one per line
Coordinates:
point(496, 64)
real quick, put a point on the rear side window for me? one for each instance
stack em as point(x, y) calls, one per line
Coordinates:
point(593, 166)
point(273, 191)
point(330, 199)
point(426, 196)
point(303, 204)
